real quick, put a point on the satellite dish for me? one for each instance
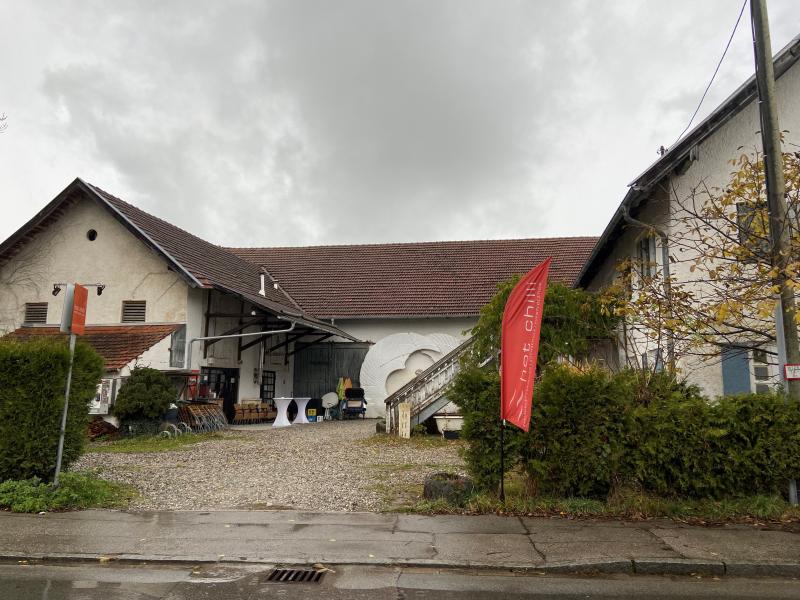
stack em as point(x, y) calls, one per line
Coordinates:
point(330, 400)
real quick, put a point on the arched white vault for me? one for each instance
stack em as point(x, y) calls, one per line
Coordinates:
point(387, 361)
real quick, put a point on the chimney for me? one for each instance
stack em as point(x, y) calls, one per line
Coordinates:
point(262, 291)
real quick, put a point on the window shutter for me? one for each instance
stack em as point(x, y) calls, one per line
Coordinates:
point(36, 312)
point(133, 311)
point(177, 348)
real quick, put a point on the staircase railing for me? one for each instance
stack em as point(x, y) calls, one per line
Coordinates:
point(428, 386)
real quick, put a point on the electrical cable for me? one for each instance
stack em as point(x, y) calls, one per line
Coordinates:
point(719, 64)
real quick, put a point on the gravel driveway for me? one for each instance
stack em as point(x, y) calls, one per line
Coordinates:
point(330, 466)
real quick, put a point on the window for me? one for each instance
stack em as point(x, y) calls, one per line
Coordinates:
point(177, 348)
point(36, 312)
point(753, 232)
point(133, 311)
point(646, 256)
point(761, 371)
point(268, 385)
point(652, 359)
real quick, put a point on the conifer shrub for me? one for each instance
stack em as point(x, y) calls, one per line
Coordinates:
point(142, 400)
point(32, 381)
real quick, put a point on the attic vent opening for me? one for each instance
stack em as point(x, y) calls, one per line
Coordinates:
point(133, 311)
point(91, 235)
point(36, 312)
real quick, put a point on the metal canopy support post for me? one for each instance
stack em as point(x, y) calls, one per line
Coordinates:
point(213, 339)
point(191, 342)
point(289, 339)
point(299, 347)
point(281, 345)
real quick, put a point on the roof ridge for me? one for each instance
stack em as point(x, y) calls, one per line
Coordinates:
point(234, 249)
point(152, 216)
point(243, 263)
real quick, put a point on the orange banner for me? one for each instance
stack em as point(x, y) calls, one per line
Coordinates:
point(80, 299)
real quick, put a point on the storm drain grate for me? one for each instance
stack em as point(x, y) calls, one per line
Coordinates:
point(294, 576)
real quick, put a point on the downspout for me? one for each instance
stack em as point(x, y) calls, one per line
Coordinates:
point(235, 335)
point(665, 274)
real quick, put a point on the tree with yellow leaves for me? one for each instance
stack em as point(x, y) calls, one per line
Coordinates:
point(722, 291)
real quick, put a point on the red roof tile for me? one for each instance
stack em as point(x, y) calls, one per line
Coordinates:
point(415, 279)
point(117, 344)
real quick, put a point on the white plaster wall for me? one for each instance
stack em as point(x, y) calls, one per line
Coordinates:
point(156, 357)
point(196, 302)
point(62, 253)
point(284, 372)
point(372, 330)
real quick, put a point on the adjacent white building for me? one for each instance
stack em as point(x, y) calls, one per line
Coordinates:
point(702, 156)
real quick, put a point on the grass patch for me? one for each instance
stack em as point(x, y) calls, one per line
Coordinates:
point(149, 443)
point(416, 441)
point(633, 507)
point(76, 491)
point(626, 504)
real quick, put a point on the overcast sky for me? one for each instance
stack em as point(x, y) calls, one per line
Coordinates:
point(309, 122)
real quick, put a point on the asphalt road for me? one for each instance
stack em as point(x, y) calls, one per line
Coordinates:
point(115, 582)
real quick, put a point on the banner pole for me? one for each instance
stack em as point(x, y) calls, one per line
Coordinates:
point(502, 462)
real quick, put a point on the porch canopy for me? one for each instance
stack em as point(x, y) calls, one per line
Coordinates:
point(270, 317)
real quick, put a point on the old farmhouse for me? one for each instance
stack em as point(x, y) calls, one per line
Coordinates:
point(378, 314)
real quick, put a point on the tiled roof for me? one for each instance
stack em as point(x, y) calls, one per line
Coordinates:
point(117, 344)
point(209, 264)
point(415, 279)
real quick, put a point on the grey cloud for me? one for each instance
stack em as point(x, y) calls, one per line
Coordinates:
point(302, 121)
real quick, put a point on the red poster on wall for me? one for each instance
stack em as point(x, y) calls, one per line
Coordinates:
point(519, 344)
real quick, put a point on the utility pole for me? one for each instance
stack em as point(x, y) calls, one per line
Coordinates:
point(776, 201)
point(776, 189)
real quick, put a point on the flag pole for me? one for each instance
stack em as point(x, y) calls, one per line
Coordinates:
point(502, 462)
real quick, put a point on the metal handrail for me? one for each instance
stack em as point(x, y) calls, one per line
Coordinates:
point(448, 362)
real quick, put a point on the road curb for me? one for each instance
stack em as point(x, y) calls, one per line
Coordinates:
point(664, 566)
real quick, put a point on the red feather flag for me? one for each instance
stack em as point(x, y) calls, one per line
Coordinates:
point(519, 345)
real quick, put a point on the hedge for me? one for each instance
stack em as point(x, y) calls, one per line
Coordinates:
point(32, 379)
point(594, 431)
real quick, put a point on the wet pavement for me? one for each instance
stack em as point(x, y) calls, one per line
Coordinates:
point(290, 537)
point(114, 582)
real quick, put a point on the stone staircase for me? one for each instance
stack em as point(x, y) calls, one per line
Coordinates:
point(427, 392)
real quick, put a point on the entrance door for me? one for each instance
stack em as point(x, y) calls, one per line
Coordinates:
point(221, 383)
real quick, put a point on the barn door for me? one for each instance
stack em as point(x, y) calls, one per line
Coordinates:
point(317, 369)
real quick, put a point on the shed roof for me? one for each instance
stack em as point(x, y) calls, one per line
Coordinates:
point(117, 344)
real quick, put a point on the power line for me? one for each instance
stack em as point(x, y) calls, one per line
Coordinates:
point(719, 64)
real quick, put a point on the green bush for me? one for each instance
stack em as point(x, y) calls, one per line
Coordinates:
point(75, 491)
point(737, 445)
point(594, 432)
point(143, 399)
point(577, 441)
point(32, 379)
